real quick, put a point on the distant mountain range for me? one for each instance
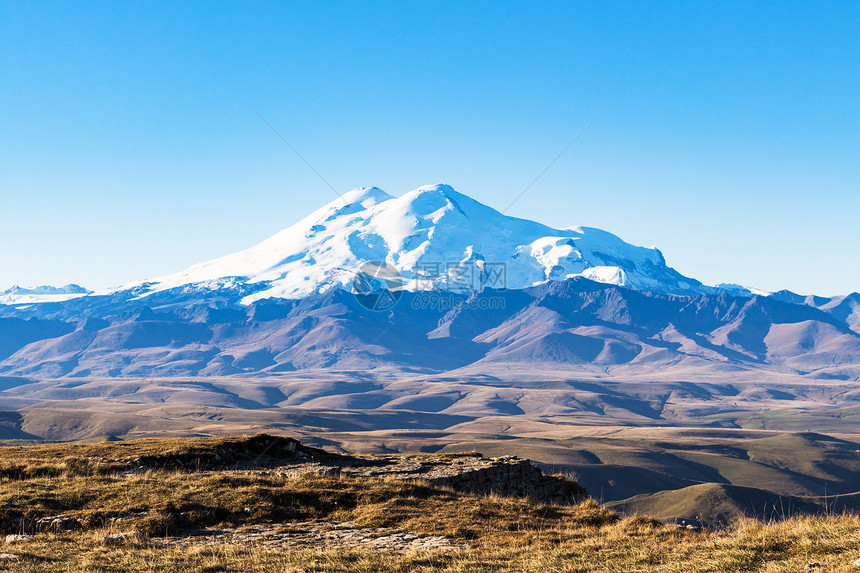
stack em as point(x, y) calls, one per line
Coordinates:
point(467, 289)
point(22, 295)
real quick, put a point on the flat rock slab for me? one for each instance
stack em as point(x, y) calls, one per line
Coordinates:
point(327, 534)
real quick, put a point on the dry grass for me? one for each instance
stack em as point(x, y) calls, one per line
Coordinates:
point(629, 544)
point(501, 534)
point(103, 458)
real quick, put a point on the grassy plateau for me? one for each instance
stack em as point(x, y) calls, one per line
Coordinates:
point(189, 491)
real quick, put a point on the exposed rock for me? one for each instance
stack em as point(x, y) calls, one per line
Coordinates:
point(256, 451)
point(8, 557)
point(122, 518)
point(121, 538)
point(470, 473)
point(328, 534)
point(17, 537)
point(117, 539)
point(57, 524)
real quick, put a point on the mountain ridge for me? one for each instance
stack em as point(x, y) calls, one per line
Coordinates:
point(244, 315)
point(582, 326)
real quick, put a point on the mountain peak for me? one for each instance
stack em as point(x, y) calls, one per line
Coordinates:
point(435, 200)
point(437, 239)
point(47, 289)
point(365, 196)
point(44, 293)
point(438, 189)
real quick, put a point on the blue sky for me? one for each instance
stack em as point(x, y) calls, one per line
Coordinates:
point(130, 144)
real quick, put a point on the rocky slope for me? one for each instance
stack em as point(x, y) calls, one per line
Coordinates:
point(578, 325)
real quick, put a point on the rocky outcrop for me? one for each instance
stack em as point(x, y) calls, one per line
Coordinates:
point(471, 473)
point(512, 476)
point(464, 472)
point(259, 450)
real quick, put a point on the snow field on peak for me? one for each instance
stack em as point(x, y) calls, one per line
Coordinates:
point(436, 238)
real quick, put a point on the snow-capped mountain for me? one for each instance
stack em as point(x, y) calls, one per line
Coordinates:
point(433, 238)
point(44, 293)
point(277, 326)
point(579, 299)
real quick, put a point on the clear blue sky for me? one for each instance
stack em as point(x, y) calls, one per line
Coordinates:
point(130, 145)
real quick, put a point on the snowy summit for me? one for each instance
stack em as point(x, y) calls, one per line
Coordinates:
point(436, 238)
